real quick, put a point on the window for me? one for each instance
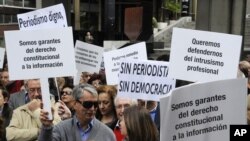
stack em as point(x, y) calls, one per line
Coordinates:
point(19, 3)
point(30, 3)
point(1, 18)
point(2, 42)
point(7, 18)
point(9, 2)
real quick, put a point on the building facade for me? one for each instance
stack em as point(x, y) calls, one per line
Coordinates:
point(8, 14)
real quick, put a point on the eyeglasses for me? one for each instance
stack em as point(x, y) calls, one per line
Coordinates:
point(66, 92)
point(33, 90)
point(89, 104)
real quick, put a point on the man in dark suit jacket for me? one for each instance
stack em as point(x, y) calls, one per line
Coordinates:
point(17, 99)
point(154, 110)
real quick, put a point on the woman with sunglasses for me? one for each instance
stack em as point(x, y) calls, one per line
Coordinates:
point(67, 97)
point(83, 125)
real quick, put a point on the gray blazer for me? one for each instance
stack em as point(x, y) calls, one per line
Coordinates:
point(17, 99)
point(68, 131)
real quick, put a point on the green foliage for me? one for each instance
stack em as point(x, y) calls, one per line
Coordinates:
point(172, 5)
point(154, 23)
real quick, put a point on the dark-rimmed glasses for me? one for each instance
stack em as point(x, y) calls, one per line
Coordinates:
point(33, 90)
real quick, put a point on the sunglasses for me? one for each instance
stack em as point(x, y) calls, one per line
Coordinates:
point(89, 104)
point(66, 92)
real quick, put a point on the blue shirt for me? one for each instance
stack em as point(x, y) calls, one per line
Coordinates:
point(153, 113)
point(84, 133)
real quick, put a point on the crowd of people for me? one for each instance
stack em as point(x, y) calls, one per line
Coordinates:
point(90, 110)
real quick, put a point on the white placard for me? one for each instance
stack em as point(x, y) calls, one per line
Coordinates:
point(2, 52)
point(88, 57)
point(146, 80)
point(204, 56)
point(203, 112)
point(40, 53)
point(112, 60)
point(49, 17)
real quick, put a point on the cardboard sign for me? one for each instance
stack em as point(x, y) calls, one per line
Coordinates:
point(2, 52)
point(204, 56)
point(112, 60)
point(203, 111)
point(40, 53)
point(88, 57)
point(49, 17)
point(146, 80)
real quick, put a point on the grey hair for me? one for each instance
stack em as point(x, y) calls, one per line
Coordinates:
point(78, 90)
point(131, 101)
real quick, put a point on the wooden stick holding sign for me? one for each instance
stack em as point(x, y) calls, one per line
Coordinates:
point(46, 96)
point(2, 51)
point(57, 89)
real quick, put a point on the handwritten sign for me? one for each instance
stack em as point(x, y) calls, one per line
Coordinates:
point(112, 59)
point(49, 17)
point(88, 57)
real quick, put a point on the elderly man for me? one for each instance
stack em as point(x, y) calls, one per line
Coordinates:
point(120, 104)
point(25, 124)
point(20, 98)
point(83, 126)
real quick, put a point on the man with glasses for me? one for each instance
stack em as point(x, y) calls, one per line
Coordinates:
point(25, 124)
point(33, 92)
point(83, 125)
point(120, 104)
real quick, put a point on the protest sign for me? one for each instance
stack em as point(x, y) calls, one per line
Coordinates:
point(40, 53)
point(146, 80)
point(204, 56)
point(112, 60)
point(49, 17)
point(2, 51)
point(203, 111)
point(88, 57)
